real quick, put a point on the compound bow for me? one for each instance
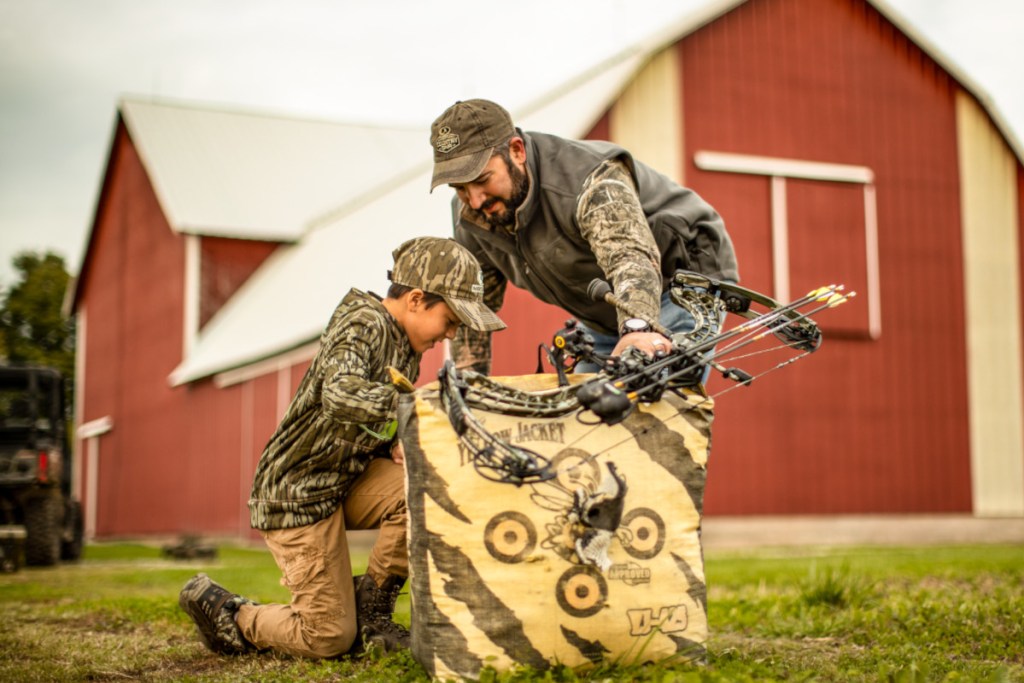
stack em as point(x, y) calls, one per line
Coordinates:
point(632, 378)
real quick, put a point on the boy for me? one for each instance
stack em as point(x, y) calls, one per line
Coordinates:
point(334, 464)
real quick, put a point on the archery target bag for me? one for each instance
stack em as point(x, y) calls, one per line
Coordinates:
point(601, 563)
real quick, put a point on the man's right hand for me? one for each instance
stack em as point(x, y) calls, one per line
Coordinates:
point(651, 343)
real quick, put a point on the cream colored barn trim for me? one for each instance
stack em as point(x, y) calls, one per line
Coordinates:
point(193, 270)
point(871, 258)
point(275, 364)
point(646, 118)
point(786, 168)
point(94, 428)
point(988, 200)
point(780, 239)
point(247, 422)
point(90, 434)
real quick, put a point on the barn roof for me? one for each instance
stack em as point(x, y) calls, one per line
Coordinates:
point(231, 174)
point(262, 177)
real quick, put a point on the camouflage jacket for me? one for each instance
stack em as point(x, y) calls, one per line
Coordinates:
point(592, 211)
point(333, 426)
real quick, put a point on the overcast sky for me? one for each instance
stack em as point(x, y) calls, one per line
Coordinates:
point(65, 63)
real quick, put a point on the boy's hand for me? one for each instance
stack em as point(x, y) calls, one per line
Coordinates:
point(397, 452)
point(400, 381)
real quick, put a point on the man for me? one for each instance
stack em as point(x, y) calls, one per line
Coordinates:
point(550, 215)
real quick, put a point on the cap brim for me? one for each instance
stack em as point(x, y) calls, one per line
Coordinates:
point(460, 169)
point(475, 315)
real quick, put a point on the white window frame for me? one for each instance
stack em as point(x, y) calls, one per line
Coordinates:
point(778, 171)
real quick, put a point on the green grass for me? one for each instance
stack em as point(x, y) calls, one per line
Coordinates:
point(898, 615)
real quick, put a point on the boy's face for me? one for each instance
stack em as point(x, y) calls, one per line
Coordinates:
point(427, 326)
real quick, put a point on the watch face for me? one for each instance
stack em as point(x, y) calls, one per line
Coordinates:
point(635, 325)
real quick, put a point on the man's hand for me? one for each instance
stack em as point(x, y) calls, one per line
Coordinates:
point(651, 343)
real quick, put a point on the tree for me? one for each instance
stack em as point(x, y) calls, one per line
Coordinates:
point(33, 327)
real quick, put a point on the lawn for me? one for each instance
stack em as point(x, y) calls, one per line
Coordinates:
point(850, 614)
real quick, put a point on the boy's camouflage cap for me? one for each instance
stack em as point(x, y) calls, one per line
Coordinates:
point(464, 137)
point(446, 268)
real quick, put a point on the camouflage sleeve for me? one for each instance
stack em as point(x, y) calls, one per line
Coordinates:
point(348, 393)
point(611, 219)
point(471, 349)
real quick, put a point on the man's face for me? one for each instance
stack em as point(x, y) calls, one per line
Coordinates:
point(499, 190)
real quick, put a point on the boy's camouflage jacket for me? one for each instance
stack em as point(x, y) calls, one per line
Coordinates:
point(332, 427)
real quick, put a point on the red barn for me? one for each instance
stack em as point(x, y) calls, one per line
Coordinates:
point(837, 144)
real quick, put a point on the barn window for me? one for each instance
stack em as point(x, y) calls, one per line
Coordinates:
point(824, 229)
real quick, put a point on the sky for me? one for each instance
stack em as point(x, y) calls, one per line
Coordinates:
point(65, 64)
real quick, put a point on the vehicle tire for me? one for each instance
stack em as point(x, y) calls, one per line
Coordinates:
point(43, 516)
point(71, 541)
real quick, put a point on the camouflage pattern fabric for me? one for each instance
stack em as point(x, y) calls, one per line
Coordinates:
point(500, 574)
point(330, 431)
point(612, 221)
point(212, 609)
point(446, 268)
point(470, 348)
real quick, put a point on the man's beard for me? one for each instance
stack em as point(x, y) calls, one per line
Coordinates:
point(506, 219)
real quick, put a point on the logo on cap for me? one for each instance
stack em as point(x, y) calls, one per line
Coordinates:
point(446, 140)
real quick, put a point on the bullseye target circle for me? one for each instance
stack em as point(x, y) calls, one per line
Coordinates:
point(575, 468)
point(647, 533)
point(510, 536)
point(581, 591)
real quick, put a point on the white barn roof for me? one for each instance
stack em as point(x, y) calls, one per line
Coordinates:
point(259, 177)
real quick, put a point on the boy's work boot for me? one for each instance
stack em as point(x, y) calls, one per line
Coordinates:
point(374, 607)
point(213, 608)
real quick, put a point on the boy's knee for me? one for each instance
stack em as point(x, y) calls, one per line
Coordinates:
point(397, 507)
point(331, 640)
point(332, 646)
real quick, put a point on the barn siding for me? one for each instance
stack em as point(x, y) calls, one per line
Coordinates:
point(862, 426)
point(178, 460)
point(134, 294)
point(210, 460)
point(225, 265)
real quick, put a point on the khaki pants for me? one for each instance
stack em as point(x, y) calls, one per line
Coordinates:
point(320, 621)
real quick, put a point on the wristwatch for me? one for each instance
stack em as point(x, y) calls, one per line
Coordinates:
point(630, 325)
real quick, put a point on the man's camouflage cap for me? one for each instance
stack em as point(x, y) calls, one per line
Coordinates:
point(464, 137)
point(444, 267)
